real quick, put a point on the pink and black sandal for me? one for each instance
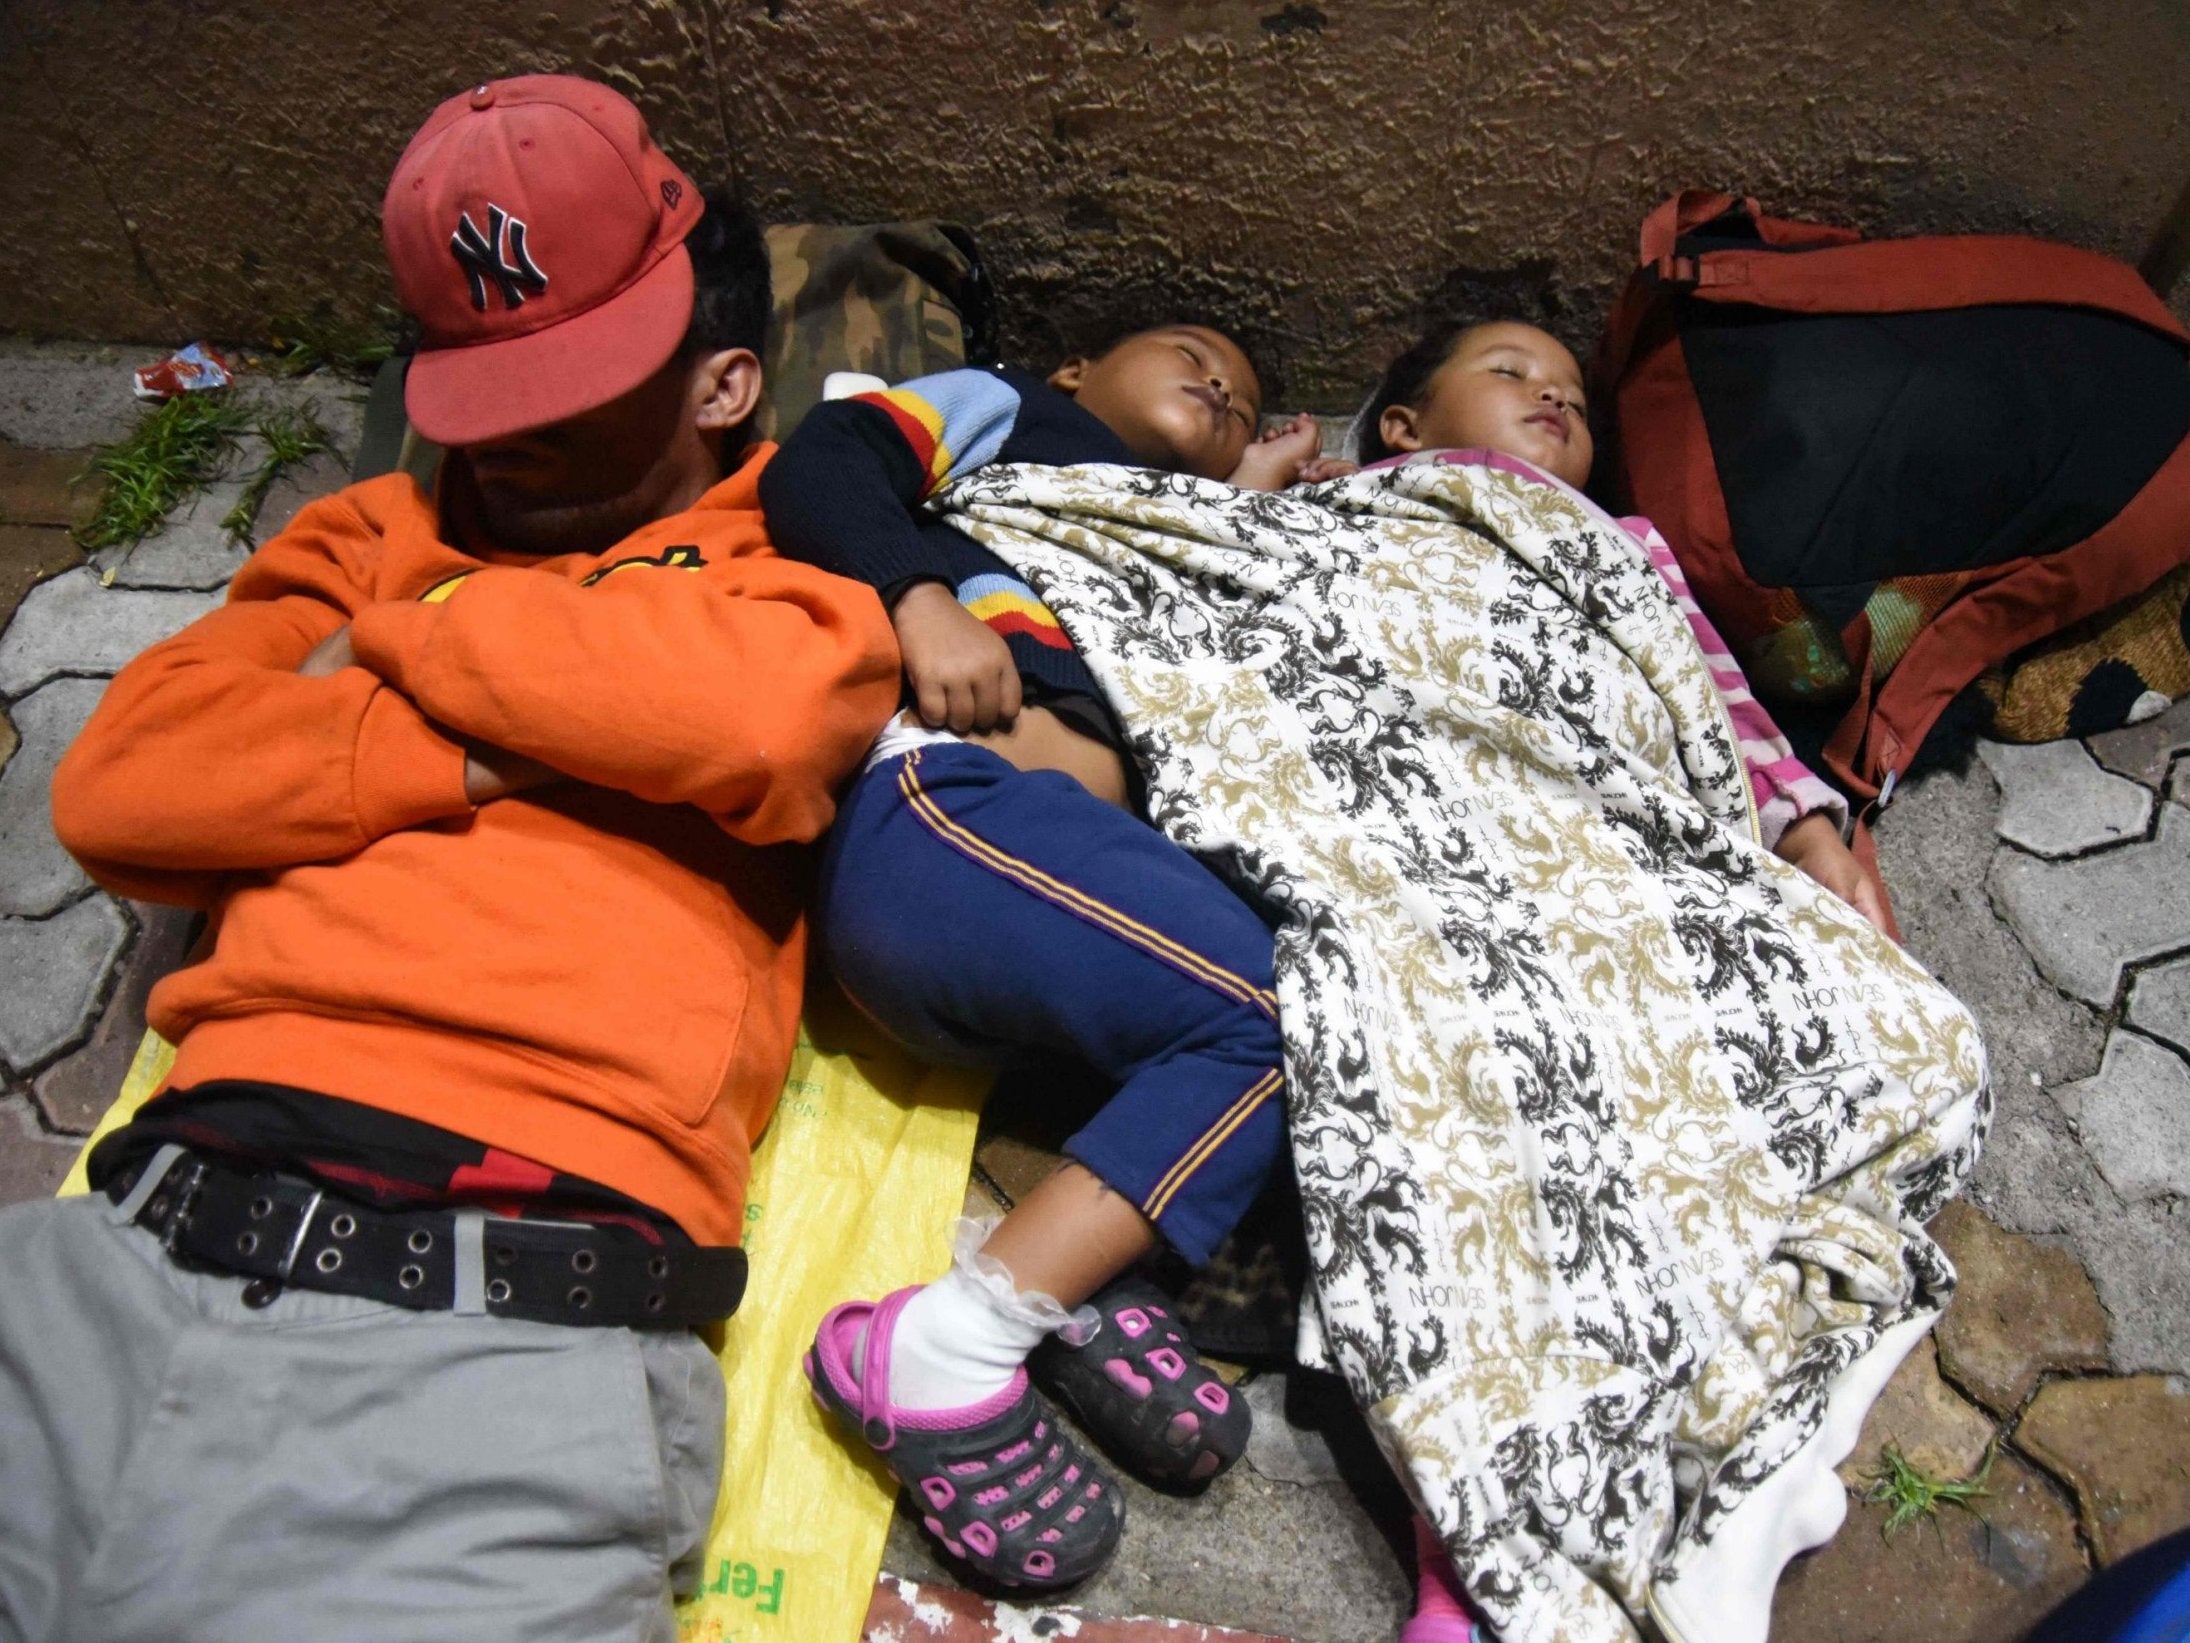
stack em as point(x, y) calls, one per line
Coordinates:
point(999, 1482)
point(1137, 1386)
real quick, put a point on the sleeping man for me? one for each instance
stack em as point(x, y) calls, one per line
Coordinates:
point(380, 1321)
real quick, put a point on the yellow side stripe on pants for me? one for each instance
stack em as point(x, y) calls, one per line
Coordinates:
point(1198, 1154)
point(1100, 913)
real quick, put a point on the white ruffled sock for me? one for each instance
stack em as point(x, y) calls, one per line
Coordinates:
point(961, 1338)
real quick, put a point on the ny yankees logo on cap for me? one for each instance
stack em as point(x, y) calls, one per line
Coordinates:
point(499, 254)
point(503, 178)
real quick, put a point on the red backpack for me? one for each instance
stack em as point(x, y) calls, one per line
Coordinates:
point(1887, 465)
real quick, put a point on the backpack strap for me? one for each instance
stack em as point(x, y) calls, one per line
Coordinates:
point(1946, 271)
point(2125, 556)
point(1668, 265)
point(1736, 216)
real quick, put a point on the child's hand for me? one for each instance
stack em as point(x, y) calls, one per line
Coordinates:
point(1326, 467)
point(1813, 844)
point(1276, 458)
point(961, 670)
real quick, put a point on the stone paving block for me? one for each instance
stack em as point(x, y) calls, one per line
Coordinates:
point(76, 1090)
point(2142, 752)
point(2159, 1003)
point(52, 972)
point(2134, 1114)
point(2023, 1308)
point(337, 402)
point(193, 550)
point(1956, 1579)
point(29, 554)
point(32, 1163)
point(2055, 802)
point(1936, 845)
point(73, 625)
point(1279, 1450)
point(2125, 1446)
point(1926, 1419)
point(905, 1611)
point(2136, 1253)
point(68, 395)
point(307, 481)
point(36, 874)
point(41, 487)
point(2085, 921)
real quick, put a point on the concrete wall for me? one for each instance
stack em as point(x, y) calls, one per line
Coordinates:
point(1324, 171)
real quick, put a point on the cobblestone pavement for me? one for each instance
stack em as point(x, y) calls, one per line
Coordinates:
point(2048, 886)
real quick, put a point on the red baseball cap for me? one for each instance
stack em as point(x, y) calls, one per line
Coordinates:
point(537, 236)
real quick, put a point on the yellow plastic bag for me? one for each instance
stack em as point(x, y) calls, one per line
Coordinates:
point(154, 1056)
point(853, 1191)
point(854, 1188)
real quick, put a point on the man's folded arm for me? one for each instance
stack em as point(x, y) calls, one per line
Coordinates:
point(210, 754)
point(747, 689)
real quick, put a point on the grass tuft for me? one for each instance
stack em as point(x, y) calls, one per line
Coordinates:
point(323, 341)
point(175, 450)
point(1912, 1493)
point(291, 437)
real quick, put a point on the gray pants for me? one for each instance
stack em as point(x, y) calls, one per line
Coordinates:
point(178, 1468)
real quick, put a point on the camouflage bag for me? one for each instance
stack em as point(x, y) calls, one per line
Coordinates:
point(895, 300)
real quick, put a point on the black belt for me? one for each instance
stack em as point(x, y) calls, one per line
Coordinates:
point(278, 1230)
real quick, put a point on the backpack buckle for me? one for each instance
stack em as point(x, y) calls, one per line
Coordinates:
point(1677, 270)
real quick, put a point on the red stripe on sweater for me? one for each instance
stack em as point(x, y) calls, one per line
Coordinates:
point(1010, 622)
point(914, 432)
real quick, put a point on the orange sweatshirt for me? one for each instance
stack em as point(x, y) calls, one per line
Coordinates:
point(602, 975)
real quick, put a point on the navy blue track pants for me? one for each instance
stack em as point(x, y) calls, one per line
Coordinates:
point(985, 915)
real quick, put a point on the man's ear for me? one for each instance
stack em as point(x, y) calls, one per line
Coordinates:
point(1066, 379)
point(725, 388)
point(1398, 428)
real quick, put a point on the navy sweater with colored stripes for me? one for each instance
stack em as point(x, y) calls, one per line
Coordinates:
point(846, 492)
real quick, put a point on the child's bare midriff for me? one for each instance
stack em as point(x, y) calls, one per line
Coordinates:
point(1040, 740)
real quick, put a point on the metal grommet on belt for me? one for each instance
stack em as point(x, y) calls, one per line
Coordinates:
point(411, 1276)
point(583, 1261)
point(580, 1297)
point(342, 1226)
point(248, 1243)
point(498, 1290)
point(329, 1260)
point(261, 1208)
point(419, 1241)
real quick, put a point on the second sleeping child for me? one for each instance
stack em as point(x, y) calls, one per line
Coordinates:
point(988, 897)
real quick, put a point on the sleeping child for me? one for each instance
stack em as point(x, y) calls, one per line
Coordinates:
point(1506, 394)
point(988, 896)
point(1509, 395)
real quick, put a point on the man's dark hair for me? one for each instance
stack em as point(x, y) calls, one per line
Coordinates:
point(1406, 381)
point(730, 289)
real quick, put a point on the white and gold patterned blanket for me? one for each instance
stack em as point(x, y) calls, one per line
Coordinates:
point(1615, 1135)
